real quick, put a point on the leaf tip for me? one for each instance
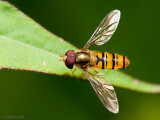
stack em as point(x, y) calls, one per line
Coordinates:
point(158, 88)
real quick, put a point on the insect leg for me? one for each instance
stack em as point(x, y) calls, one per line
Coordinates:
point(73, 71)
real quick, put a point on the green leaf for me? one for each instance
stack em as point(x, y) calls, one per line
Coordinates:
point(25, 45)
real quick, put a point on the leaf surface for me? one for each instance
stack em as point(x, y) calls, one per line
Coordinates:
point(25, 45)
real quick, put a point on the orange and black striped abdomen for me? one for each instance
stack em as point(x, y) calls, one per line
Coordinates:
point(110, 61)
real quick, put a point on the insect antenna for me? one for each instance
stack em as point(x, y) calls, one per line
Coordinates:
point(61, 57)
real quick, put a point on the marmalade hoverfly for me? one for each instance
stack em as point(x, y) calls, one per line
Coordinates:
point(86, 59)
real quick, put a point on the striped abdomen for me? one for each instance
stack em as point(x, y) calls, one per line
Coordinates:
point(109, 61)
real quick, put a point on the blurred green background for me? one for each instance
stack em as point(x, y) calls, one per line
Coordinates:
point(37, 96)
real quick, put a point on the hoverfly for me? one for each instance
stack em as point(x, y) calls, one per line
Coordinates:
point(86, 59)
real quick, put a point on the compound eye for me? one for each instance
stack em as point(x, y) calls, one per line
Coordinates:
point(69, 62)
point(70, 53)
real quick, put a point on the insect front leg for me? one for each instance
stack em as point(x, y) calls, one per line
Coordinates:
point(74, 71)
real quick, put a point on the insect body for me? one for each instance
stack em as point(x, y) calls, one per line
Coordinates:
point(97, 60)
point(86, 59)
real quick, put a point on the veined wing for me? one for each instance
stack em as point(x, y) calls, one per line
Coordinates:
point(105, 30)
point(104, 90)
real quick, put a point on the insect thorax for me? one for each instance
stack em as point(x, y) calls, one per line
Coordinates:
point(82, 59)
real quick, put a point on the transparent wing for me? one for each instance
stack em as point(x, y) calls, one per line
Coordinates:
point(105, 30)
point(104, 90)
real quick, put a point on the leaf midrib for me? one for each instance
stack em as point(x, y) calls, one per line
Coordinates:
point(29, 45)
